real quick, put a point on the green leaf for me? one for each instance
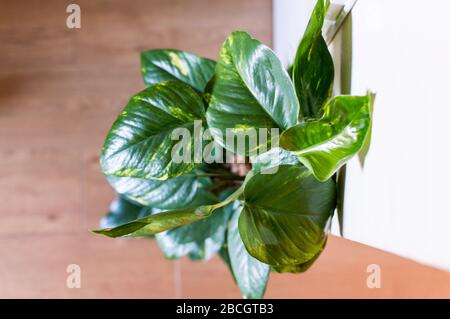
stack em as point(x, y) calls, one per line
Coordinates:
point(325, 145)
point(366, 146)
point(173, 65)
point(251, 90)
point(189, 190)
point(156, 223)
point(140, 142)
point(200, 240)
point(120, 212)
point(223, 252)
point(163, 221)
point(270, 161)
point(208, 90)
point(340, 184)
point(250, 274)
point(313, 70)
point(300, 268)
point(286, 215)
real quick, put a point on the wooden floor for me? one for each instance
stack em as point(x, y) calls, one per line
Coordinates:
point(60, 90)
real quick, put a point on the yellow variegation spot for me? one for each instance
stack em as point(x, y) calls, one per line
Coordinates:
point(179, 63)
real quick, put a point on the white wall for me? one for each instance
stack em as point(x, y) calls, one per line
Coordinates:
point(290, 18)
point(400, 201)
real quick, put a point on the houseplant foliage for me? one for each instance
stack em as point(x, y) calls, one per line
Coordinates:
point(277, 216)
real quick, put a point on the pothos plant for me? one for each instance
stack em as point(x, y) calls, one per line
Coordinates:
point(277, 217)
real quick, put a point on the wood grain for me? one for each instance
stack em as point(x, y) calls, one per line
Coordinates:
point(60, 90)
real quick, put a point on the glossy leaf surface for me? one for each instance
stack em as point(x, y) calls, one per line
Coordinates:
point(188, 190)
point(270, 161)
point(285, 215)
point(326, 144)
point(366, 146)
point(250, 274)
point(251, 90)
point(161, 65)
point(223, 254)
point(313, 69)
point(140, 142)
point(121, 212)
point(300, 268)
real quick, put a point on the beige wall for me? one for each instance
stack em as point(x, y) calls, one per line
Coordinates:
point(60, 90)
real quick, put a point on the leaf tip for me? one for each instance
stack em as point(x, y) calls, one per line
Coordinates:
point(371, 96)
point(104, 231)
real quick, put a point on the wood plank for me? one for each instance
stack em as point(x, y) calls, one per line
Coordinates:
point(35, 267)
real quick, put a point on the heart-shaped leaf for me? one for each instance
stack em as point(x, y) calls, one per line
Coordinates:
point(325, 145)
point(250, 274)
point(173, 65)
point(286, 215)
point(189, 190)
point(163, 221)
point(251, 90)
point(313, 70)
point(141, 141)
